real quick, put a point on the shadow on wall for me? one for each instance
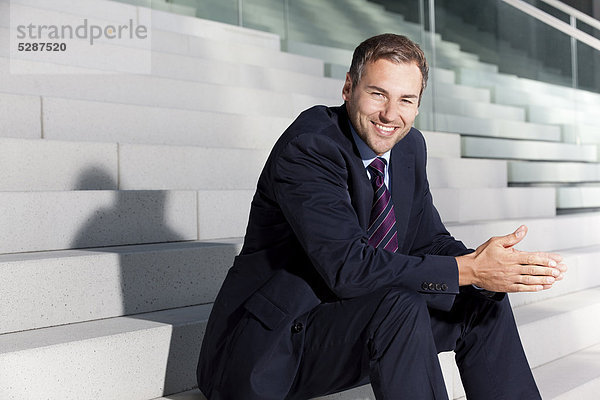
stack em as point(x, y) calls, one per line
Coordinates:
point(156, 277)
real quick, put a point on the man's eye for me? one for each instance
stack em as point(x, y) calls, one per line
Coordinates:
point(377, 95)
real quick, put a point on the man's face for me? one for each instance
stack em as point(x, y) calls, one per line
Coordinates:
point(384, 104)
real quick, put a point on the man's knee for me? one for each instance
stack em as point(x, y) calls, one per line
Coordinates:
point(401, 314)
point(402, 301)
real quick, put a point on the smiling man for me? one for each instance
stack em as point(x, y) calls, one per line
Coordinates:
point(347, 274)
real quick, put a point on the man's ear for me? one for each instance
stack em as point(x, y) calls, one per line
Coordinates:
point(347, 89)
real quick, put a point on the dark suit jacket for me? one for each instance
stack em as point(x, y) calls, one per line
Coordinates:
point(306, 244)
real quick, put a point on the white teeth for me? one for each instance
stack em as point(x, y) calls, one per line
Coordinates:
point(385, 128)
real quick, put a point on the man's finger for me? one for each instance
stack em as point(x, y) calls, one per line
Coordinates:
point(542, 259)
point(556, 257)
point(562, 268)
point(536, 280)
point(519, 287)
point(513, 238)
point(539, 271)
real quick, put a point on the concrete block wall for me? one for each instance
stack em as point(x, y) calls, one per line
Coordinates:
point(124, 198)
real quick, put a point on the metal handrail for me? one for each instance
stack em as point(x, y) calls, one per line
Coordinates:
point(555, 23)
point(593, 22)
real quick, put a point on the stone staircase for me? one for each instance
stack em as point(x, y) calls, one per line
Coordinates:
point(116, 230)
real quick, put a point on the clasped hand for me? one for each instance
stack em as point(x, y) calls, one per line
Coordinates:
point(497, 266)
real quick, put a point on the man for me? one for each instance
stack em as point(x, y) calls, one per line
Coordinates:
point(337, 285)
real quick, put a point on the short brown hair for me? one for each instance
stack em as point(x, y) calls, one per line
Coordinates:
point(392, 47)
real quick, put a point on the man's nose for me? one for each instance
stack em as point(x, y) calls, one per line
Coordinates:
point(389, 112)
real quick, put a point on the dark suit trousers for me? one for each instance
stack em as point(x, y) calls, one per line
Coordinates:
point(391, 339)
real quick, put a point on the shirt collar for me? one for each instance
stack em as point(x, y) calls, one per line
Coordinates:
point(366, 153)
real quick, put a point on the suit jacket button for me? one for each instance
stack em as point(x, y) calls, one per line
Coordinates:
point(424, 286)
point(431, 286)
point(438, 286)
point(297, 327)
point(444, 287)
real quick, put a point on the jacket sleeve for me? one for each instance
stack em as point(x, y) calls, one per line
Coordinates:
point(431, 236)
point(310, 178)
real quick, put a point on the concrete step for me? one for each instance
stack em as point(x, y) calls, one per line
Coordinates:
point(20, 116)
point(223, 213)
point(34, 164)
point(205, 67)
point(573, 377)
point(38, 165)
point(92, 218)
point(476, 109)
point(520, 97)
point(117, 12)
point(48, 165)
point(545, 234)
point(160, 92)
point(559, 326)
point(559, 90)
point(213, 30)
point(82, 120)
point(535, 89)
point(578, 197)
point(495, 127)
point(539, 98)
point(236, 74)
point(456, 92)
point(147, 355)
point(138, 357)
point(145, 167)
point(558, 115)
point(541, 327)
point(442, 75)
point(480, 78)
point(111, 218)
point(552, 172)
point(441, 144)
point(113, 281)
point(234, 52)
point(53, 288)
point(581, 133)
point(527, 150)
point(465, 205)
point(466, 173)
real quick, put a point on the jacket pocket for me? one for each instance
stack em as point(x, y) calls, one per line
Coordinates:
point(265, 311)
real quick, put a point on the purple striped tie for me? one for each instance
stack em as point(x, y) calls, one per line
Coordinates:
point(382, 225)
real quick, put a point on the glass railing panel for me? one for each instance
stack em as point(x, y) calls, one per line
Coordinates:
point(265, 15)
point(226, 11)
point(550, 10)
point(501, 35)
point(588, 67)
point(216, 10)
point(588, 60)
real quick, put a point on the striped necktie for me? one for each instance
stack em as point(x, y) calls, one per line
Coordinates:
point(382, 225)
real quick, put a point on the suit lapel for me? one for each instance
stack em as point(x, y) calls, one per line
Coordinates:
point(402, 165)
point(361, 195)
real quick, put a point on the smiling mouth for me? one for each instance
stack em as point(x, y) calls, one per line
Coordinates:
point(384, 130)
